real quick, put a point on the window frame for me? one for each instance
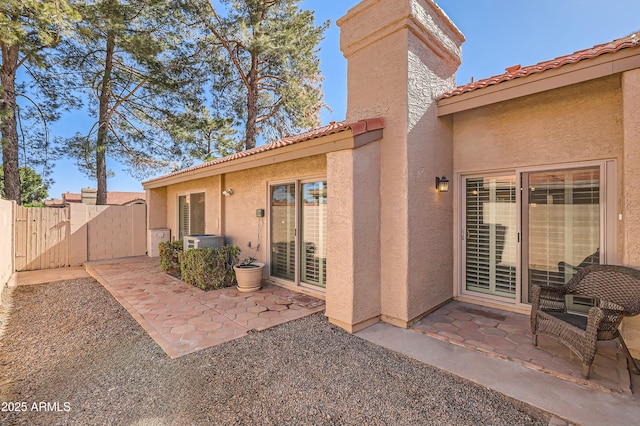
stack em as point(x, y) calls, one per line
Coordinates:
point(188, 195)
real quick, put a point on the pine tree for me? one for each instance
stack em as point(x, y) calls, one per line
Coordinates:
point(266, 74)
point(27, 29)
point(138, 67)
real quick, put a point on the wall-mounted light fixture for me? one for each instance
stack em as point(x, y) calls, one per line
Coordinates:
point(227, 192)
point(442, 184)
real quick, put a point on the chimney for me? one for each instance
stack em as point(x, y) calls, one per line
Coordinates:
point(89, 196)
point(401, 56)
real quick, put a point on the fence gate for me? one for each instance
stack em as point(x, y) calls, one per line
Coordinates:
point(42, 238)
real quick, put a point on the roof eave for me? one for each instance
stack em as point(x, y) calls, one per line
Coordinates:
point(345, 139)
point(588, 69)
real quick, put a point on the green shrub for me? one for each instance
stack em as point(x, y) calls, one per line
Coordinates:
point(169, 260)
point(209, 268)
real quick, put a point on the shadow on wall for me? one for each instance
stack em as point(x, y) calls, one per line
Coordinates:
point(58, 237)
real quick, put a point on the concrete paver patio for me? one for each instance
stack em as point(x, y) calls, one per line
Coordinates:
point(507, 335)
point(183, 319)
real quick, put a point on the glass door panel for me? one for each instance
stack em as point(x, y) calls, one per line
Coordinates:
point(562, 225)
point(197, 214)
point(313, 218)
point(491, 235)
point(283, 231)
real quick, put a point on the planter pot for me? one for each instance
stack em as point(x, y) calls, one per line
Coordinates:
point(249, 276)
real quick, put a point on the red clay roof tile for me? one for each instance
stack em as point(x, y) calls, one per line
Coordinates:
point(114, 198)
point(517, 71)
point(357, 128)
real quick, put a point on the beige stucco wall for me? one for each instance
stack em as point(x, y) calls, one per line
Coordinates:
point(157, 211)
point(235, 216)
point(576, 123)
point(401, 56)
point(631, 192)
point(353, 252)
point(594, 120)
point(581, 122)
point(7, 248)
point(251, 192)
point(429, 154)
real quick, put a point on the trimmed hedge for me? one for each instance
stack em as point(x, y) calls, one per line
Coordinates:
point(209, 268)
point(169, 252)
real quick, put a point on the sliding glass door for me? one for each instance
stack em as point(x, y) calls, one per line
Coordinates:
point(561, 226)
point(298, 215)
point(490, 235)
point(532, 227)
point(283, 231)
point(313, 219)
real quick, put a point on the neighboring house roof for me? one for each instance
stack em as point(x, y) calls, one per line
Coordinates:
point(357, 128)
point(517, 71)
point(55, 202)
point(114, 198)
point(71, 197)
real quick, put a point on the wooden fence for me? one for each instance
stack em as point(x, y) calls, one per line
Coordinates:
point(42, 238)
point(57, 237)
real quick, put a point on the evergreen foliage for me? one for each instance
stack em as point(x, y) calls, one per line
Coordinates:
point(265, 69)
point(28, 30)
point(169, 256)
point(33, 189)
point(209, 268)
point(139, 69)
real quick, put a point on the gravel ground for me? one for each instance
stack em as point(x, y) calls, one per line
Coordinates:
point(70, 344)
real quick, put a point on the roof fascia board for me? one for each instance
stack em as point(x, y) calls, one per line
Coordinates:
point(582, 71)
point(368, 137)
point(322, 145)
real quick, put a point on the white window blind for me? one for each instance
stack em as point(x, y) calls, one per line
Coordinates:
point(564, 224)
point(183, 216)
point(491, 235)
point(314, 233)
point(191, 214)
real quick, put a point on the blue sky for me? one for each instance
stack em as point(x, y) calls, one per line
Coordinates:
point(499, 34)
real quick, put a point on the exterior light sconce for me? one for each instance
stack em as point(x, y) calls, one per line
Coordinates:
point(227, 192)
point(442, 184)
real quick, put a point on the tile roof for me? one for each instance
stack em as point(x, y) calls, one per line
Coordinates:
point(334, 127)
point(517, 71)
point(114, 198)
point(120, 198)
point(54, 202)
point(71, 197)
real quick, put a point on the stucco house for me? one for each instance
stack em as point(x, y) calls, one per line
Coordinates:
point(543, 164)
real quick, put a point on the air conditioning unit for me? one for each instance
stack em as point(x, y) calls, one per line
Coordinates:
point(155, 237)
point(202, 241)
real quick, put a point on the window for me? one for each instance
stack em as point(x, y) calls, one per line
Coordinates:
point(535, 226)
point(299, 232)
point(191, 214)
point(490, 249)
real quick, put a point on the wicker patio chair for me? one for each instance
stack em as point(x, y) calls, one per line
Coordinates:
point(616, 292)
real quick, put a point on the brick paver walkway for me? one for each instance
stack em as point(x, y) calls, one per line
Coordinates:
point(182, 318)
point(507, 335)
